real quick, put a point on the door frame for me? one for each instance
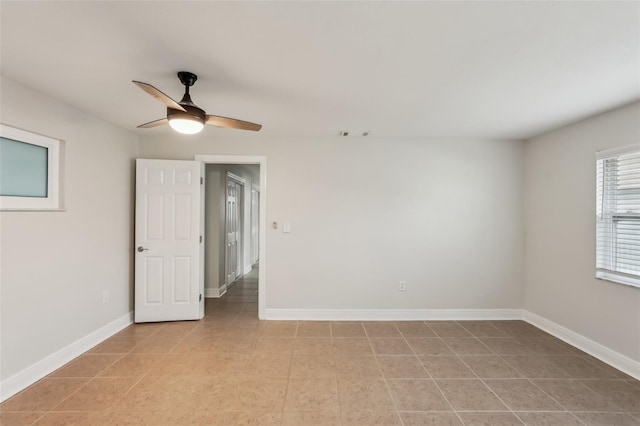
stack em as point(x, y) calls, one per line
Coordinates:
point(240, 200)
point(260, 160)
point(254, 242)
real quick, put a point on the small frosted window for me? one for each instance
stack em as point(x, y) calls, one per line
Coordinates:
point(23, 169)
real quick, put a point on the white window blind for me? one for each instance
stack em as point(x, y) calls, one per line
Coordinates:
point(618, 215)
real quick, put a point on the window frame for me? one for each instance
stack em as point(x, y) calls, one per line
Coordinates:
point(618, 277)
point(52, 200)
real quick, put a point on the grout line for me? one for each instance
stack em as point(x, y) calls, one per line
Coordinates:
point(386, 383)
point(431, 375)
point(479, 378)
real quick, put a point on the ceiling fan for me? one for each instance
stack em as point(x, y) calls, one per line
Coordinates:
point(185, 116)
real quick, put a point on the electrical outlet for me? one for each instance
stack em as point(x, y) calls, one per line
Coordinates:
point(105, 296)
point(402, 286)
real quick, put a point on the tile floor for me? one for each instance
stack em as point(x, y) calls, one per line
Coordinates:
point(232, 369)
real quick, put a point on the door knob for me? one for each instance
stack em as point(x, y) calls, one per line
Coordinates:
point(141, 249)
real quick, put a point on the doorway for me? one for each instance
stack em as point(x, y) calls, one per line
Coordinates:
point(234, 202)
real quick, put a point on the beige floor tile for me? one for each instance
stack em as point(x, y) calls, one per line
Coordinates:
point(357, 367)
point(448, 329)
point(311, 418)
point(607, 419)
point(155, 393)
point(430, 419)
point(370, 418)
point(490, 367)
point(579, 368)
point(390, 346)
point(352, 346)
point(549, 419)
point(313, 345)
point(192, 418)
point(275, 344)
point(522, 395)
point(544, 346)
point(314, 329)
point(417, 395)
point(401, 367)
point(381, 329)
point(574, 396)
point(347, 329)
point(504, 346)
point(199, 341)
point(19, 418)
point(312, 395)
point(87, 365)
point(414, 329)
point(429, 346)
point(229, 364)
point(272, 365)
point(446, 367)
point(158, 343)
point(256, 395)
point(308, 366)
point(98, 394)
point(171, 364)
point(127, 418)
point(280, 329)
point(132, 365)
point(517, 328)
point(618, 392)
point(469, 394)
point(481, 329)
point(118, 344)
point(235, 345)
point(364, 395)
point(534, 367)
point(249, 418)
point(66, 419)
point(490, 419)
point(466, 346)
point(43, 395)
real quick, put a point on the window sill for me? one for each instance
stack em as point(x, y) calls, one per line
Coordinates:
point(618, 279)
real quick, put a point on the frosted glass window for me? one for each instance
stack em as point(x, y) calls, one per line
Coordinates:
point(29, 170)
point(23, 169)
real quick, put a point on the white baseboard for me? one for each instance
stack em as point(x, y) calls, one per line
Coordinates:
point(40, 369)
point(247, 269)
point(392, 314)
point(215, 292)
point(604, 354)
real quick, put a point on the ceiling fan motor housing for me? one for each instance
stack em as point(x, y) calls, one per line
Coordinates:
point(193, 113)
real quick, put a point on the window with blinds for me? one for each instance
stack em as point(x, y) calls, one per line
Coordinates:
point(618, 215)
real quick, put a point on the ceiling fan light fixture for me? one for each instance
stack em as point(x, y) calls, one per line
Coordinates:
point(184, 122)
point(186, 125)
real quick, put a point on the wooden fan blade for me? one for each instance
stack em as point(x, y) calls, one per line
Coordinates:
point(232, 123)
point(159, 95)
point(154, 123)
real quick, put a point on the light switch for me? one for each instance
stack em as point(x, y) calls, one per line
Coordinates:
point(286, 227)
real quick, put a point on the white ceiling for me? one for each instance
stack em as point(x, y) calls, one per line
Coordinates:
point(486, 70)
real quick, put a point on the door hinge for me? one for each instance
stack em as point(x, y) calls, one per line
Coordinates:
point(200, 239)
point(200, 299)
point(201, 180)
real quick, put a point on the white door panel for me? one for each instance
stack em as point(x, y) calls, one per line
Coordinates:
point(167, 267)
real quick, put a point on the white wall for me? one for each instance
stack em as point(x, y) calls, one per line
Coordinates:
point(215, 187)
point(55, 265)
point(560, 243)
point(445, 216)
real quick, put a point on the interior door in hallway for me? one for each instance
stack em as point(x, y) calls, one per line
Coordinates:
point(233, 225)
point(167, 241)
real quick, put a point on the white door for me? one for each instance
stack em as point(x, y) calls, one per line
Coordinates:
point(255, 224)
point(167, 249)
point(233, 225)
